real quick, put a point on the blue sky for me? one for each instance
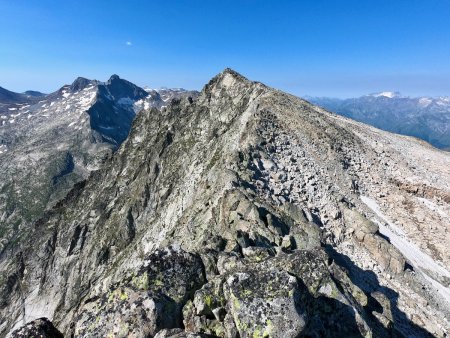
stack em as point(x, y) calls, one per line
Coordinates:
point(315, 47)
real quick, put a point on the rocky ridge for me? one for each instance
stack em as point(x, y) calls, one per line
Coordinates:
point(244, 213)
point(48, 143)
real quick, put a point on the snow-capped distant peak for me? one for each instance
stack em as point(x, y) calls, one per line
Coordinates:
point(425, 101)
point(386, 94)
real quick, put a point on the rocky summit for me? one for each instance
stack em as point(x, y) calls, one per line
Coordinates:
point(245, 212)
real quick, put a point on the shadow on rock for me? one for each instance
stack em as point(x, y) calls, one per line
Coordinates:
point(382, 306)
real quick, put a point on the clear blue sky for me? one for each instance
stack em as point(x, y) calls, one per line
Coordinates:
point(316, 47)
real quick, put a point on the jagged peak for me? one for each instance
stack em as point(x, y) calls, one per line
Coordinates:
point(227, 78)
point(80, 83)
point(232, 72)
point(119, 87)
point(114, 77)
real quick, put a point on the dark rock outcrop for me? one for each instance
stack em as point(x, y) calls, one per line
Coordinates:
point(39, 328)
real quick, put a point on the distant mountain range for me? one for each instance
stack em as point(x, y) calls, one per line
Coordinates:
point(50, 142)
point(427, 118)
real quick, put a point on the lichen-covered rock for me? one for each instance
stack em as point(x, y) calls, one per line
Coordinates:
point(147, 302)
point(39, 328)
point(265, 304)
point(251, 294)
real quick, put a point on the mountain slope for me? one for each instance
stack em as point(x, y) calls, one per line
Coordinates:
point(49, 143)
point(245, 212)
point(423, 117)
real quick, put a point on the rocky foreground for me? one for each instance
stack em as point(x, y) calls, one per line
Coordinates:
point(246, 212)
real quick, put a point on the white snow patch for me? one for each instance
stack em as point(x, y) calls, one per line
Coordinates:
point(12, 109)
point(386, 94)
point(420, 260)
point(66, 95)
point(425, 101)
point(443, 101)
point(138, 139)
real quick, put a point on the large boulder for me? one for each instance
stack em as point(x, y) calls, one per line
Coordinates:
point(265, 304)
point(147, 302)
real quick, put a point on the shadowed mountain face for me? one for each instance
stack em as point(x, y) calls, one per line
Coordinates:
point(423, 117)
point(50, 142)
point(112, 113)
point(246, 212)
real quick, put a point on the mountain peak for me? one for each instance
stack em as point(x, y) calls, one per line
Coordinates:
point(387, 94)
point(228, 72)
point(226, 79)
point(114, 77)
point(79, 84)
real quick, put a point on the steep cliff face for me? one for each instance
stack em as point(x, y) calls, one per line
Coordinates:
point(246, 212)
